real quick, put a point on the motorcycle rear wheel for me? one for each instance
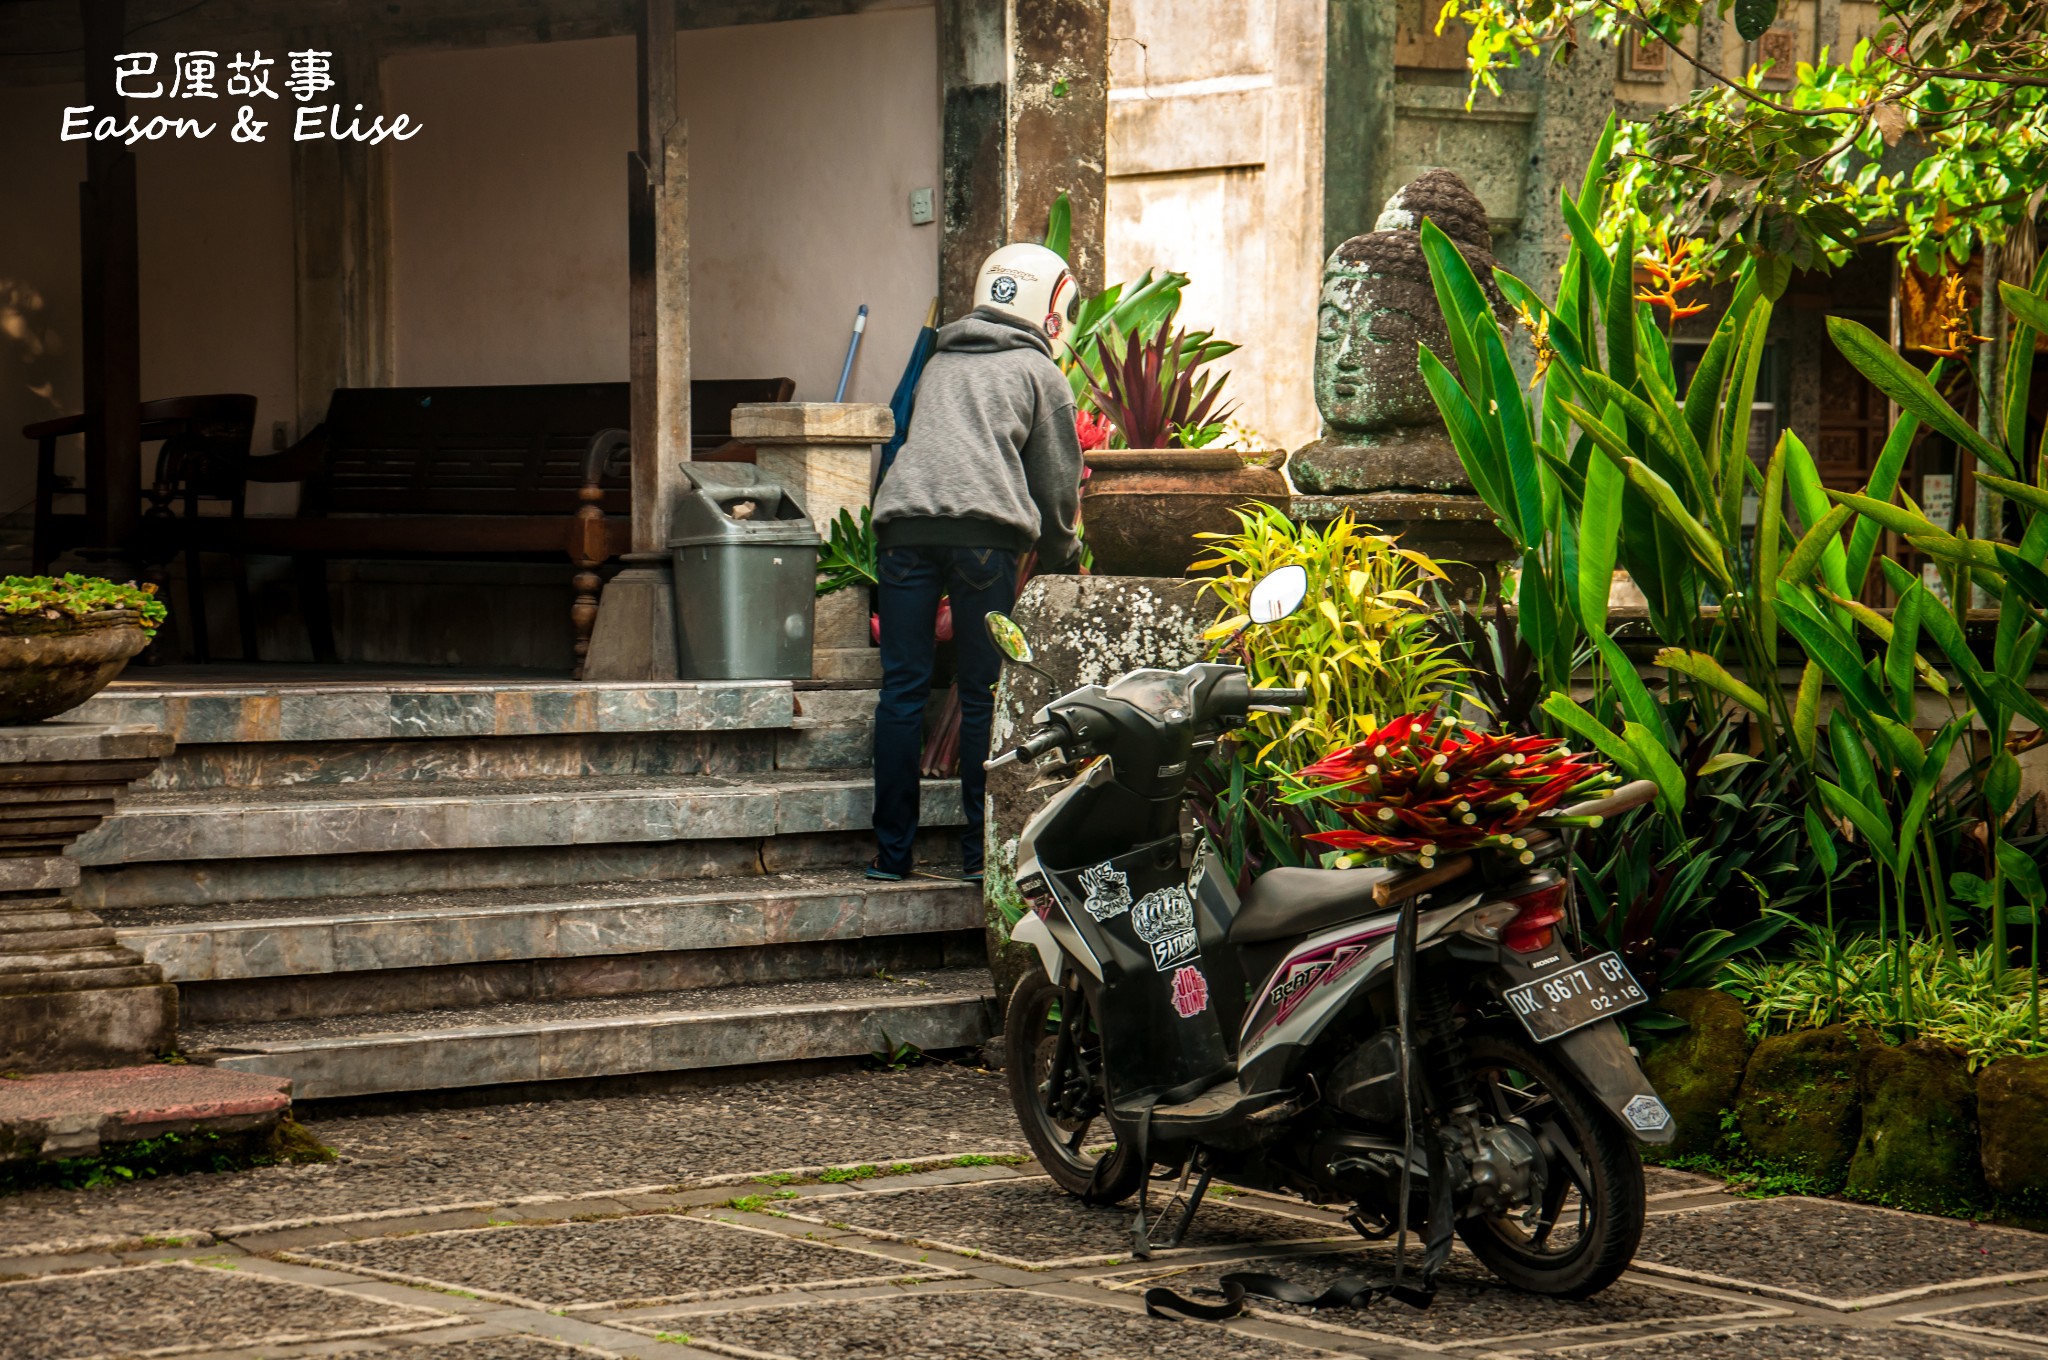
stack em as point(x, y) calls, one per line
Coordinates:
point(1042, 1014)
point(1594, 1193)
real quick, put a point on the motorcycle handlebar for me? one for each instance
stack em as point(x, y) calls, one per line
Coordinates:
point(1029, 749)
point(1281, 698)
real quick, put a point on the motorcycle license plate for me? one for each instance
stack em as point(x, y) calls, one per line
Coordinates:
point(1572, 998)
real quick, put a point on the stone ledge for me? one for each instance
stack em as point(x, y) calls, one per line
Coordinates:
point(812, 422)
point(344, 711)
point(652, 1040)
point(75, 1114)
point(71, 739)
point(752, 914)
point(376, 820)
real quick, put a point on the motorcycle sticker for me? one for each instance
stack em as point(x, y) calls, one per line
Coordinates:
point(1190, 992)
point(1109, 892)
point(1647, 1113)
point(1165, 920)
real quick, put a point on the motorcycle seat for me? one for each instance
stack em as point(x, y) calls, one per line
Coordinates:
point(1285, 903)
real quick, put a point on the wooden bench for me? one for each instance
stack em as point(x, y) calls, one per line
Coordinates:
point(491, 473)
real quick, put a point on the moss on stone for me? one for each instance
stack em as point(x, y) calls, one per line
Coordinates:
point(1799, 1108)
point(1918, 1145)
point(1697, 1070)
point(2012, 1114)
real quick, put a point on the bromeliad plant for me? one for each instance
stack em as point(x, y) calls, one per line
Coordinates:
point(1155, 394)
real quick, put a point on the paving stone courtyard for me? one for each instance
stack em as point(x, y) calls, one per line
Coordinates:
point(890, 1214)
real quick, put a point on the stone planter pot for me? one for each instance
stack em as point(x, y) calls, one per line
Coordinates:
point(48, 666)
point(1143, 507)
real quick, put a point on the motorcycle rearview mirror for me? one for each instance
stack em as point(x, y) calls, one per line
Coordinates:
point(1279, 593)
point(1011, 642)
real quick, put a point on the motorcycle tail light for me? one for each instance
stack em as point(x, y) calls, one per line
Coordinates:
point(1535, 923)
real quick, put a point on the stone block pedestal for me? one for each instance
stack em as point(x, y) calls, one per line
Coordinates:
point(70, 996)
point(821, 451)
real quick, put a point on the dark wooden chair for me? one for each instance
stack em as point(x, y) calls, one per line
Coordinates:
point(493, 473)
point(203, 456)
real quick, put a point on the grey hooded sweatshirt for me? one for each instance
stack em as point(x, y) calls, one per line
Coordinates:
point(992, 460)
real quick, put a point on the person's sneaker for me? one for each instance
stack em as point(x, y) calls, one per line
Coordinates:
point(973, 875)
point(878, 873)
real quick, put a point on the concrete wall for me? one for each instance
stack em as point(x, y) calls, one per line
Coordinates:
point(1215, 128)
point(806, 140)
point(216, 261)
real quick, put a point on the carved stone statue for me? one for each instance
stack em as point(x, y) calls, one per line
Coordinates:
point(1381, 431)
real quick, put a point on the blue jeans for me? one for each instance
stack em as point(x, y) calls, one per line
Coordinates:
point(980, 581)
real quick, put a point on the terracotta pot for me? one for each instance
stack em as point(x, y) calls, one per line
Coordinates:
point(1143, 507)
point(50, 665)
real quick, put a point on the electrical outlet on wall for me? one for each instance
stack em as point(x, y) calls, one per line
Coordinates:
point(920, 207)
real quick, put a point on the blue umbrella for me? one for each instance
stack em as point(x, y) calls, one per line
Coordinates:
point(905, 400)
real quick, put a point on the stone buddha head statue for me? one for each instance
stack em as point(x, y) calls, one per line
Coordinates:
point(1377, 303)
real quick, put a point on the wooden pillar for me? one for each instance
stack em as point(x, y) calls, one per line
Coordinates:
point(112, 323)
point(341, 229)
point(635, 637)
point(658, 248)
point(1025, 85)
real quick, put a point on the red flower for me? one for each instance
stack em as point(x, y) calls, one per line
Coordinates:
point(1091, 429)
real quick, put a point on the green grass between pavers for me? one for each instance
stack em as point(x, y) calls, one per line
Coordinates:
point(754, 1204)
point(173, 1154)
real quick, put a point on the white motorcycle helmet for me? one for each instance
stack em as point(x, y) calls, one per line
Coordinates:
point(1032, 284)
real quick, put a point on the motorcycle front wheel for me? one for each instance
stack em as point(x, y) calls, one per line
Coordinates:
point(1052, 1057)
point(1590, 1215)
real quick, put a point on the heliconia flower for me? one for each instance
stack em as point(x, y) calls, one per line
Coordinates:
point(1438, 786)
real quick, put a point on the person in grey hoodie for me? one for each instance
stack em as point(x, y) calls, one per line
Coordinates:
point(990, 470)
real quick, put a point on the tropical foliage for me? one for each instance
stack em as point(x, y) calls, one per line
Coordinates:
point(1931, 133)
point(1154, 393)
point(1618, 465)
point(1365, 650)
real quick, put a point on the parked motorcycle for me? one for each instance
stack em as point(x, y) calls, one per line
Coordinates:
point(1420, 1044)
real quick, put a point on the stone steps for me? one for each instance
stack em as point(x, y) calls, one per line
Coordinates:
point(386, 818)
point(420, 885)
point(268, 939)
point(524, 1042)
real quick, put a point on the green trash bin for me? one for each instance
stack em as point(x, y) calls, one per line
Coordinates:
point(746, 564)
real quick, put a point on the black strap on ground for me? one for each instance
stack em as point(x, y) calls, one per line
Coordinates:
point(1353, 1291)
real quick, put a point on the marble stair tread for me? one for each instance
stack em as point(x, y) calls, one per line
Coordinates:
point(339, 709)
point(370, 818)
point(194, 943)
point(528, 1041)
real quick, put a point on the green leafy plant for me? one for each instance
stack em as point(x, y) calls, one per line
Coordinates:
point(1365, 649)
point(1798, 177)
point(847, 558)
point(1967, 999)
point(1615, 465)
point(72, 596)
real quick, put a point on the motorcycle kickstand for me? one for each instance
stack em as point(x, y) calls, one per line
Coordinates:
point(1187, 1218)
